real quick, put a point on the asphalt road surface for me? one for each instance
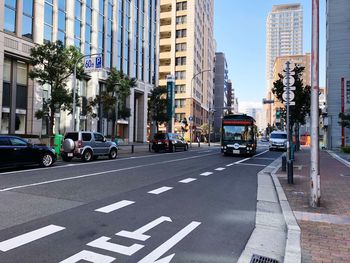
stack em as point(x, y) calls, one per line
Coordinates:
point(195, 206)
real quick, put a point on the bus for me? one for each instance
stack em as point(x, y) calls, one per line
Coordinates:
point(239, 135)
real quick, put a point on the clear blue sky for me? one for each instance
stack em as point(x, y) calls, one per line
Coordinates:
point(240, 28)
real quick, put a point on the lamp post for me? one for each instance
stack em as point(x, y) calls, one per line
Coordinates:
point(74, 85)
point(193, 78)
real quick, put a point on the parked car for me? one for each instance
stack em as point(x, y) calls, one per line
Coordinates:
point(15, 151)
point(278, 141)
point(87, 146)
point(168, 142)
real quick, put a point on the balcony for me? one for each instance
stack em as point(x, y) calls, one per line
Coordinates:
point(165, 7)
point(165, 35)
point(165, 22)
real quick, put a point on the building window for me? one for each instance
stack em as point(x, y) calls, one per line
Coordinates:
point(48, 20)
point(88, 21)
point(181, 47)
point(180, 103)
point(27, 19)
point(142, 41)
point(126, 38)
point(181, 33)
point(179, 116)
point(180, 61)
point(181, 20)
point(10, 16)
point(77, 24)
point(181, 6)
point(109, 34)
point(61, 32)
point(180, 75)
point(120, 34)
point(101, 27)
point(180, 88)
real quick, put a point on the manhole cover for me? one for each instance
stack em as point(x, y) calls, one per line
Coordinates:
point(262, 259)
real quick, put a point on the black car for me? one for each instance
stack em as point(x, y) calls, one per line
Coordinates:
point(15, 151)
point(168, 142)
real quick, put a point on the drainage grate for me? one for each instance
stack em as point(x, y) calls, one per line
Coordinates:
point(262, 259)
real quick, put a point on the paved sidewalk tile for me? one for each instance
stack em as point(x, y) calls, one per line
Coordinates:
point(325, 231)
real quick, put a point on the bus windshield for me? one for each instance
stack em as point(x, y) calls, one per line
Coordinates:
point(238, 133)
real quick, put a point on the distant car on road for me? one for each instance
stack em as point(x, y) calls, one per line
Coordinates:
point(15, 151)
point(169, 142)
point(87, 146)
point(278, 141)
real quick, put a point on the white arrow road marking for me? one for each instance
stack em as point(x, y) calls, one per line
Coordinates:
point(139, 233)
point(160, 190)
point(110, 208)
point(29, 237)
point(206, 173)
point(103, 243)
point(188, 180)
point(88, 256)
point(220, 169)
point(163, 248)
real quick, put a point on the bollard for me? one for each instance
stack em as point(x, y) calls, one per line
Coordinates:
point(132, 148)
point(290, 172)
point(284, 162)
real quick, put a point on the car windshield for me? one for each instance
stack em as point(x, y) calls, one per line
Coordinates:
point(278, 136)
point(72, 135)
point(159, 136)
point(238, 133)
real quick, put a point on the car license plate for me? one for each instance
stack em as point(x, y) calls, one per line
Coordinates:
point(235, 151)
point(70, 154)
point(159, 143)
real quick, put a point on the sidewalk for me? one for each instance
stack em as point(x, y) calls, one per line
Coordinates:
point(325, 231)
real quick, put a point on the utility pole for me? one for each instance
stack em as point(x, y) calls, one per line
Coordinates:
point(315, 183)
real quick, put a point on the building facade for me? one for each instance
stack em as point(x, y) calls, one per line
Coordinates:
point(284, 36)
point(123, 31)
point(187, 51)
point(337, 67)
point(220, 92)
point(300, 60)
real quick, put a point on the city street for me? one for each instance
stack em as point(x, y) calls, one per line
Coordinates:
point(195, 206)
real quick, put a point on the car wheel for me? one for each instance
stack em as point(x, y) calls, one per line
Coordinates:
point(65, 158)
point(87, 156)
point(46, 160)
point(113, 154)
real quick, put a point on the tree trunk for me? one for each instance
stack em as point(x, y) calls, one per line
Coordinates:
point(51, 124)
point(297, 139)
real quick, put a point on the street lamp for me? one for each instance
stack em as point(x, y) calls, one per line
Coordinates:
point(193, 78)
point(74, 85)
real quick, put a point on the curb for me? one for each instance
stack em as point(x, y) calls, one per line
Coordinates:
point(276, 234)
point(337, 157)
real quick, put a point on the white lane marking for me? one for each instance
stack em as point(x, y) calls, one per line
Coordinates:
point(139, 234)
point(29, 237)
point(264, 158)
point(103, 243)
point(206, 173)
point(88, 256)
point(261, 153)
point(90, 163)
point(100, 173)
point(220, 169)
point(110, 208)
point(163, 248)
point(230, 164)
point(241, 161)
point(160, 190)
point(252, 164)
point(187, 180)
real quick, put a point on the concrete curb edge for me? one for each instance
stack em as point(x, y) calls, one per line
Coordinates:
point(337, 157)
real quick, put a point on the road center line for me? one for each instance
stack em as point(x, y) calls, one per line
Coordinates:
point(110, 208)
point(188, 180)
point(220, 169)
point(160, 190)
point(206, 173)
point(241, 161)
point(29, 237)
point(101, 173)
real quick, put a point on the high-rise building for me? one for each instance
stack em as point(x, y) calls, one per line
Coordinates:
point(284, 36)
point(187, 51)
point(338, 60)
point(220, 92)
point(124, 31)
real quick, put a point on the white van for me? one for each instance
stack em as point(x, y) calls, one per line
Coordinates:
point(278, 141)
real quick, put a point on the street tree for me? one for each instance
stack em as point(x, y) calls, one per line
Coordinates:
point(157, 107)
point(302, 100)
point(52, 66)
point(113, 98)
point(344, 119)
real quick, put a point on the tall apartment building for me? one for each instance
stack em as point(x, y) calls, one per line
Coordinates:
point(337, 67)
point(300, 60)
point(284, 36)
point(186, 48)
point(124, 31)
point(220, 91)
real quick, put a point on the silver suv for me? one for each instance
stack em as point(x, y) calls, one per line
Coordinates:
point(87, 146)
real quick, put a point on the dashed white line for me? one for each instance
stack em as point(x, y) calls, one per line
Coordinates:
point(188, 180)
point(206, 173)
point(252, 164)
point(241, 161)
point(29, 237)
point(230, 164)
point(261, 153)
point(110, 208)
point(160, 190)
point(220, 169)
